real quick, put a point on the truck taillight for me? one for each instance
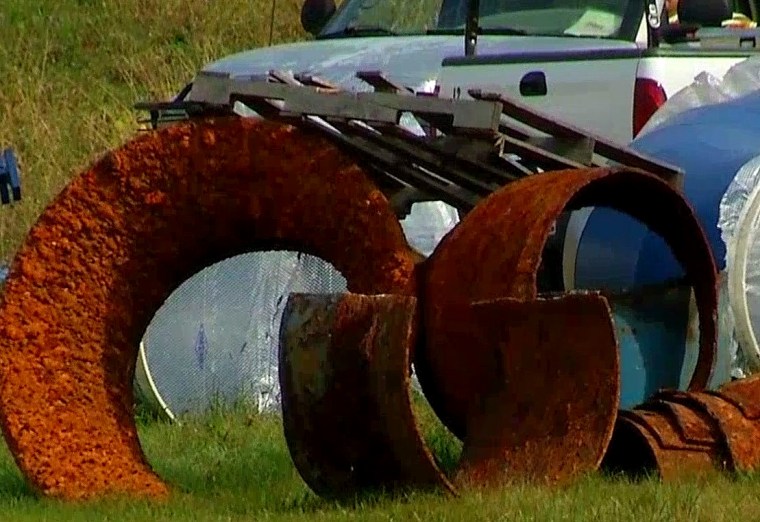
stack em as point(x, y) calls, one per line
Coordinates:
point(648, 96)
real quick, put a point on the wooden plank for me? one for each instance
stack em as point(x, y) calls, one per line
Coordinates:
point(381, 83)
point(603, 147)
point(373, 107)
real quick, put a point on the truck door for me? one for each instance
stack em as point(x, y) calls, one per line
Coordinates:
point(587, 82)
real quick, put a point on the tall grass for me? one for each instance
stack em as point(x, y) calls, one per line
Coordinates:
point(234, 465)
point(70, 71)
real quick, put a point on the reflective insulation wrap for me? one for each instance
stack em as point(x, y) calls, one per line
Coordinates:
point(427, 223)
point(506, 233)
point(706, 89)
point(114, 244)
point(739, 214)
point(214, 341)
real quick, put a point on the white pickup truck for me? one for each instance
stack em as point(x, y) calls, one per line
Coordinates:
point(604, 65)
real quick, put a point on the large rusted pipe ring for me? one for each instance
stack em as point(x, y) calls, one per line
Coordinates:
point(120, 237)
point(495, 251)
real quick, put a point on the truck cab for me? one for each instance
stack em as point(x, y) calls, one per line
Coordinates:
point(604, 65)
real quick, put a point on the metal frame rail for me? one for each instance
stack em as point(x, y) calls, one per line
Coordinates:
point(469, 148)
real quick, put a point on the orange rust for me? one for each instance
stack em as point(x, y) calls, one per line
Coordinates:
point(347, 412)
point(495, 252)
point(345, 384)
point(697, 430)
point(121, 236)
point(553, 393)
point(738, 432)
point(644, 445)
point(734, 410)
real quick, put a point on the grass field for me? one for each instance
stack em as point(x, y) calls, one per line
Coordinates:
point(235, 466)
point(69, 73)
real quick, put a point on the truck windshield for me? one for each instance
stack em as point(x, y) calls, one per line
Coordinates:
point(584, 18)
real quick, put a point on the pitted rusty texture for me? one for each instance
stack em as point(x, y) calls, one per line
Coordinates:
point(737, 433)
point(670, 442)
point(736, 408)
point(120, 237)
point(552, 390)
point(347, 413)
point(495, 252)
point(707, 430)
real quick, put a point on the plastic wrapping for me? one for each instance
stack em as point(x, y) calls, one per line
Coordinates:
point(707, 89)
point(215, 339)
point(715, 142)
point(739, 214)
point(427, 223)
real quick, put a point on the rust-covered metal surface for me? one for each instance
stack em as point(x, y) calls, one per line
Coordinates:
point(347, 412)
point(121, 236)
point(697, 431)
point(552, 390)
point(495, 252)
point(666, 442)
point(736, 408)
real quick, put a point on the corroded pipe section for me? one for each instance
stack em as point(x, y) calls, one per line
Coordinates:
point(349, 424)
point(670, 440)
point(121, 236)
point(495, 252)
point(552, 394)
point(347, 412)
point(707, 430)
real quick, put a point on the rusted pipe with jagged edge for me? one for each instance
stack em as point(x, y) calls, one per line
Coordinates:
point(347, 411)
point(495, 252)
point(534, 381)
point(120, 237)
point(675, 432)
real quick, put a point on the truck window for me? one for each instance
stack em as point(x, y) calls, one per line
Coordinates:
point(582, 18)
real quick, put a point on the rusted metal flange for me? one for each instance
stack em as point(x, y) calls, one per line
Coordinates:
point(347, 412)
point(495, 252)
point(552, 392)
point(697, 430)
point(120, 237)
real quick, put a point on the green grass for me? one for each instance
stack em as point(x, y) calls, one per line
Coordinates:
point(234, 465)
point(70, 71)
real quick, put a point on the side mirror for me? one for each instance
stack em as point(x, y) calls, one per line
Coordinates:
point(315, 14)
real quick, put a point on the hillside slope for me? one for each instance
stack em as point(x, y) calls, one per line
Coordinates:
point(70, 71)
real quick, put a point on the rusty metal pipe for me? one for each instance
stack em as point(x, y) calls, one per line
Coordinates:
point(495, 252)
point(120, 237)
point(553, 389)
point(344, 370)
point(708, 429)
point(347, 411)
